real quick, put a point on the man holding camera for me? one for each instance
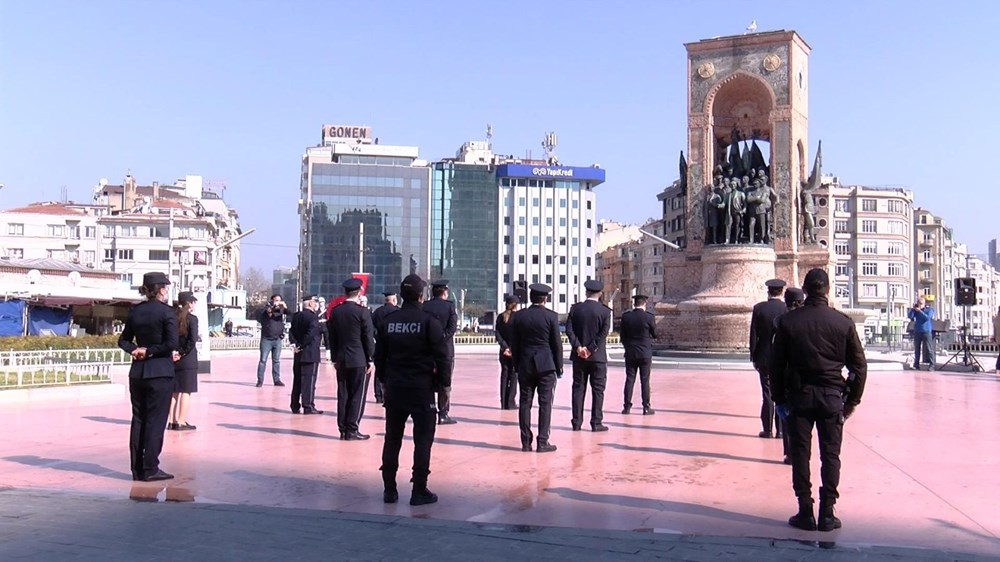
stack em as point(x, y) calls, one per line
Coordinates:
point(923, 333)
point(272, 331)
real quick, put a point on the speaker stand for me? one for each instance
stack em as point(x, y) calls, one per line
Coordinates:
point(968, 360)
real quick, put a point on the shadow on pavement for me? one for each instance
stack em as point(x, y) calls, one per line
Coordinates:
point(254, 408)
point(69, 466)
point(277, 431)
point(682, 453)
point(104, 419)
point(679, 429)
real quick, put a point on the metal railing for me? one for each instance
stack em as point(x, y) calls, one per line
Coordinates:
point(43, 357)
point(36, 370)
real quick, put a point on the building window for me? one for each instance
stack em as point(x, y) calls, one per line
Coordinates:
point(15, 229)
point(548, 260)
point(534, 202)
point(842, 248)
point(576, 223)
point(521, 201)
point(841, 226)
point(534, 221)
point(897, 227)
point(869, 289)
point(576, 204)
point(159, 232)
point(548, 221)
point(926, 255)
point(869, 226)
point(842, 205)
point(506, 239)
point(562, 260)
point(159, 255)
point(562, 203)
point(869, 205)
point(841, 270)
point(506, 221)
point(895, 249)
point(534, 240)
point(57, 230)
point(589, 223)
point(520, 259)
point(522, 220)
point(90, 232)
point(89, 256)
point(548, 202)
point(15, 253)
point(534, 259)
point(576, 261)
point(896, 269)
point(562, 298)
point(562, 241)
point(548, 278)
point(562, 221)
point(506, 258)
point(896, 206)
point(869, 268)
point(588, 242)
point(869, 247)
point(520, 240)
point(548, 240)
point(562, 278)
point(506, 278)
point(588, 261)
point(125, 255)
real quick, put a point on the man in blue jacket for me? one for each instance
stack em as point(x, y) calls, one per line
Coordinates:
point(923, 334)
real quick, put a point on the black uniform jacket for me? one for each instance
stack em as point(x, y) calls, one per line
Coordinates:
point(187, 346)
point(762, 329)
point(638, 330)
point(305, 334)
point(411, 346)
point(535, 342)
point(378, 317)
point(153, 325)
point(587, 326)
point(351, 336)
point(502, 330)
point(812, 345)
point(444, 311)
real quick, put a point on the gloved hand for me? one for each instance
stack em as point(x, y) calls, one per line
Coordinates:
point(559, 374)
point(782, 411)
point(848, 410)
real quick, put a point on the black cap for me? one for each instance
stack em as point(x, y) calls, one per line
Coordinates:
point(412, 287)
point(308, 297)
point(540, 289)
point(794, 294)
point(186, 296)
point(512, 299)
point(440, 283)
point(774, 283)
point(155, 278)
point(593, 286)
point(389, 293)
point(351, 285)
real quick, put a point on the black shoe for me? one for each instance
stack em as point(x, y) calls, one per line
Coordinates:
point(311, 411)
point(648, 411)
point(777, 435)
point(764, 435)
point(599, 427)
point(354, 436)
point(577, 427)
point(827, 520)
point(186, 427)
point(546, 447)
point(526, 448)
point(787, 460)
point(157, 476)
point(446, 420)
point(279, 383)
point(390, 496)
point(259, 384)
point(423, 497)
point(804, 519)
point(379, 401)
point(626, 411)
point(296, 410)
point(173, 426)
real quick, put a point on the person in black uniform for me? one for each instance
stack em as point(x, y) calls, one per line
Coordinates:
point(185, 362)
point(150, 337)
point(411, 348)
point(304, 337)
point(794, 298)
point(536, 346)
point(638, 330)
point(761, 334)
point(377, 318)
point(352, 350)
point(508, 369)
point(812, 345)
point(587, 327)
point(444, 310)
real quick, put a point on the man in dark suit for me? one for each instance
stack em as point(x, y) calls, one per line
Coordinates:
point(444, 310)
point(352, 350)
point(638, 330)
point(150, 337)
point(587, 327)
point(304, 337)
point(378, 318)
point(536, 348)
point(761, 334)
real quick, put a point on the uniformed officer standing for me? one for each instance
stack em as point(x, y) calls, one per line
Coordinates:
point(410, 349)
point(794, 298)
point(638, 330)
point(811, 347)
point(304, 336)
point(508, 368)
point(761, 333)
point(587, 327)
point(536, 348)
point(444, 310)
point(352, 350)
point(377, 318)
point(150, 337)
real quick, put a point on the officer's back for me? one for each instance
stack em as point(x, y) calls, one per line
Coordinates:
point(637, 331)
point(153, 325)
point(304, 333)
point(350, 334)
point(536, 343)
point(411, 343)
point(589, 321)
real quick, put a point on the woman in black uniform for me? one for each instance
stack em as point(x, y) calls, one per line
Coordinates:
point(508, 374)
point(150, 337)
point(185, 362)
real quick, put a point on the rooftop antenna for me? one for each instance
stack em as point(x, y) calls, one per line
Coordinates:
point(64, 194)
point(549, 143)
point(489, 136)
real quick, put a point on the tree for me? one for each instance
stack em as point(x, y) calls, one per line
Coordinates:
point(257, 286)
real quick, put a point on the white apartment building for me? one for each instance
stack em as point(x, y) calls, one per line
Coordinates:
point(872, 236)
point(978, 318)
point(935, 264)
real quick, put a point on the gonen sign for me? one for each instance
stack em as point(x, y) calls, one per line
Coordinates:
point(346, 132)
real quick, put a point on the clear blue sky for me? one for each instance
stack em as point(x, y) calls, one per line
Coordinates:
point(901, 93)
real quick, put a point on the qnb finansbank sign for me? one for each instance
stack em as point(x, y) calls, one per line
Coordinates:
point(551, 172)
point(346, 133)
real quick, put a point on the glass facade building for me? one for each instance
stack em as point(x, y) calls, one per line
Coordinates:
point(346, 186)
point(464, 248)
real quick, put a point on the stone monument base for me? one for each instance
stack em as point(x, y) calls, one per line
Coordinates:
point(717, 317)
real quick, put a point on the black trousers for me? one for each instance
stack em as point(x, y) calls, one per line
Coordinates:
point(508, 383)
point(445, 369)
point(824, 408)
point(304, 385)
point(545, 385)
point(378, 386)
point(768, 421)
point(350, 397)
point(150, 409)
point(642, 366)
point(596, 374)
point(400, 404)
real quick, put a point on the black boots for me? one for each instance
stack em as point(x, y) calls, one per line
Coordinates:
point(827, 520)
point(422, 496)
point(804, 519)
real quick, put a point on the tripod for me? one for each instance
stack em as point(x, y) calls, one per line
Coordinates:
point(968, 359)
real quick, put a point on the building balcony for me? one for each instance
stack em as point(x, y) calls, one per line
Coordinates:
point(926, 261)
point(927, 241)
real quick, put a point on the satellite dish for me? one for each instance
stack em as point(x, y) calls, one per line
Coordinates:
point(34, 276)
point(74, 277)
